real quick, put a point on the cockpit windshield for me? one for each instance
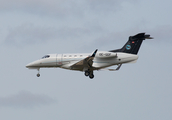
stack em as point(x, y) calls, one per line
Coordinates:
point(46, 56)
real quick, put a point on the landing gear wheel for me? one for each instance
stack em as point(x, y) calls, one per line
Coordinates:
point(87, 73)
point(91, 76)
point(38, 75)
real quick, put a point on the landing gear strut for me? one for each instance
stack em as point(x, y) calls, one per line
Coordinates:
point(38, 75)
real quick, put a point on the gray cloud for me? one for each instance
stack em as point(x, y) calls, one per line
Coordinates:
point(162, 33)
point(28, 34)
point(159, 33)
point(105, 5)
point(62, 7)
point(25, 99)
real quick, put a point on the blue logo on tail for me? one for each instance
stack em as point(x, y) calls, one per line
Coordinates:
point(128, 47)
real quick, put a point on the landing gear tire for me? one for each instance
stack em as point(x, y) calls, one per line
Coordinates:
point(91, 76)
point(87, 73)
point(38, 75)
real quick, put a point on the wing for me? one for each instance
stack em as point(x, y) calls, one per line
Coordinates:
point(85, 63)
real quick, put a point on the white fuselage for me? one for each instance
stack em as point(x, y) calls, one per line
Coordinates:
point(101, 60)
point(94, 61)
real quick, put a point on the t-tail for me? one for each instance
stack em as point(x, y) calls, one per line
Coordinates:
point(133, 44)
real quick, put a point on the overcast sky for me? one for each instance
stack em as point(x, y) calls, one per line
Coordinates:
point(29, 29)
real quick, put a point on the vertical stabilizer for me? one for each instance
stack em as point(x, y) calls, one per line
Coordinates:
point(133, 44)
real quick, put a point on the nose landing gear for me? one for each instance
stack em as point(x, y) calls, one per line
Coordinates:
point(38, 75)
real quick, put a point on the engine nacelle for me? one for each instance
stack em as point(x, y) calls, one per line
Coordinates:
point(104, 54)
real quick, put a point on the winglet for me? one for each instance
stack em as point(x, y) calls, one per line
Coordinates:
point(93, 55)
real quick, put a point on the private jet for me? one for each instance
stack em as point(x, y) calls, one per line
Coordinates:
point(98, 60)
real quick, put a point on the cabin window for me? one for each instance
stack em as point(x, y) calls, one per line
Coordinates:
point(70, 55)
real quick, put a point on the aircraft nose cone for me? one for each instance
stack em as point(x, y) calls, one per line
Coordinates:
point(33, 64)
point(29, 65)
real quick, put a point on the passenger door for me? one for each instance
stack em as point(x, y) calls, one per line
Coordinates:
point(59, 59)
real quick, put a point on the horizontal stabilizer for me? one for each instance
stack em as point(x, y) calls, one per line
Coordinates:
point(140, 36)
point(119, 66)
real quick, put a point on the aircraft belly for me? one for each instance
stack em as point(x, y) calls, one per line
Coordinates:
point(102, 64)
point(48, 65)
point(120, 59)
point(68, 64)
point(127, 58)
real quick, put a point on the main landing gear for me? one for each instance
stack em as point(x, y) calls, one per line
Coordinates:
point(90, 74)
